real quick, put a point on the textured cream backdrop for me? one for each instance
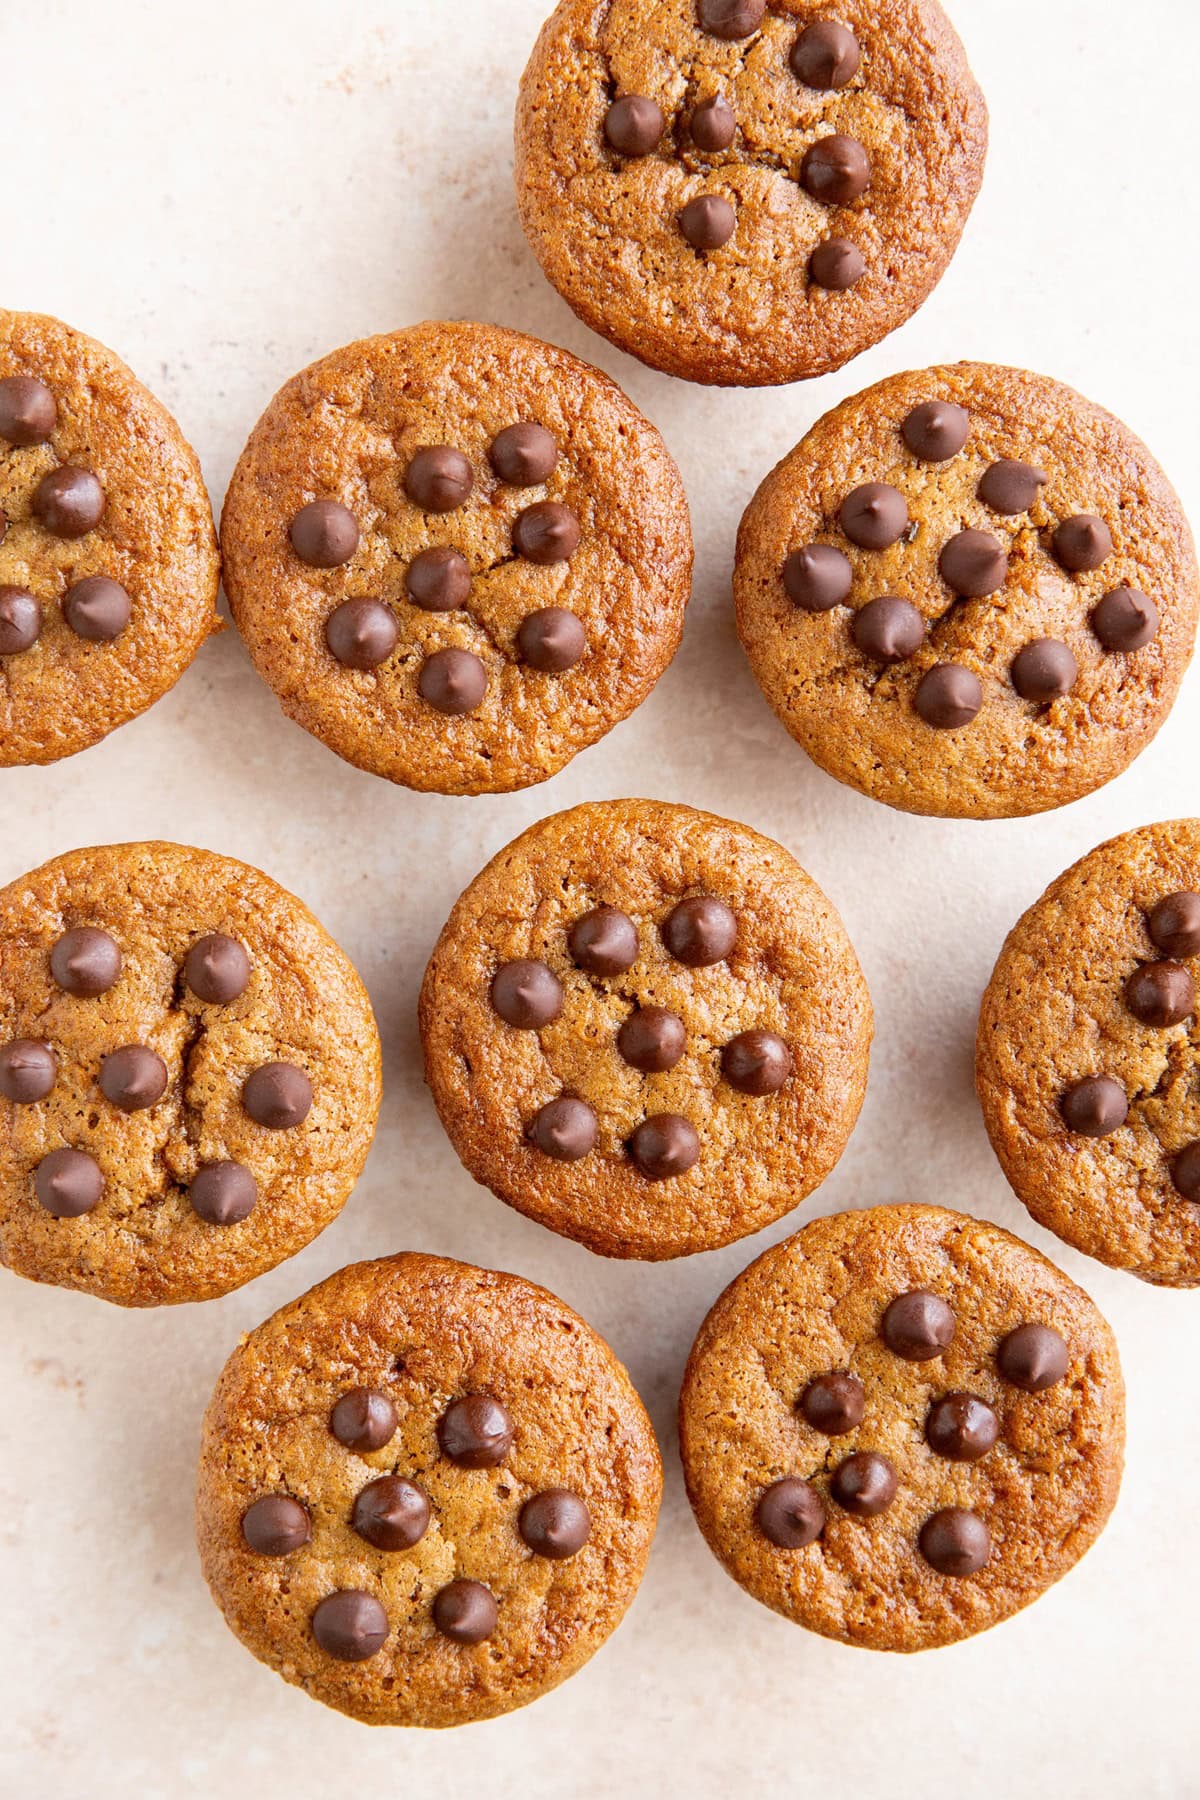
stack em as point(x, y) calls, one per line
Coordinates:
point(223, 191)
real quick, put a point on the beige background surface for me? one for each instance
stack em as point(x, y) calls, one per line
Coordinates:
point(222, 192)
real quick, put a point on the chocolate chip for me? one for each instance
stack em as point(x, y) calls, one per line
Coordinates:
point(68, 1183)
point(20, 620)
point(465, 1612)
point(790, 1513)
point(1011, 487)
point(438, 478)
point(276, 1525)
point(663, 1146)
point(475, 1432)
point(825, 55)
point(555, 1523)
point(278, 1095)
point(708, 221)
point(551, 640)
point(85, 962)
point(652, 1039)
point(28, 410)
point(361, 634)
point(961, 1427)
point(1094, 1107)
point(27, 1071)
point(364, 1420)
point(350, 1625)
point(1174, 924)
point(955, 1541)
point(438, 580)
point(453, 681)
point(864, 1484)
point(1082, 543)
point(1161, 993)
point(1044, 670)
point(391, 1513)
point(935, 431)
point(948, 696)
point(835, 170)
point(817, 577)
point(700, 931)
point(634, 124)
point(756, 1062)
point(217, 969)
point(133, 1077)
point(714, 124)
point(324, 534)
point(547, 532)
point(604, 941)
point(564, 1129)
point(223, 1193)
point(731, 19)
point(69, 502)
point(526, 994)
point(1033, 1357)
point(1125, 619)
point(96, 609)
point(836, 264)
point(918, 1325)
point(973, 564)
point(524, 455)
point(834, 1404)
point(888, 629)
point(1185, 1172)
point(874, 515)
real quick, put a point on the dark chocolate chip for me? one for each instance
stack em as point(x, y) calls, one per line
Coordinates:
point(835, 170)
point(465, 1612)
point(68, 1183)
point(634, 124)
point(278, 1095)
point(874, 515)
point(1161, 993)
point(604, 941)
point(551, 640)
point(96, 609)
point(708, 221)
point(817, 577)
point(555, 1523)
point(1082, 543)
point(20, 620)
point(276, 1525)
point(790, 1513)
point(1010, 487)
point(1174, 924)
point(756, 1062)
point(217, 969)
point(28, 410)
point(476, 1432)
point(918, 1325)
point(700, 931)
point(350, 1625)
point(664, 1146)
point(324, 534)
point(936, 430)
point(1125, 619)
point(836, 264)
point(825, 55)
point(955, 1541)
point(714, 124)
point(438, 580)
point(439, 478)
point(364, 1420)
point(453, 681)
point(1044, 670)
point(564, 1128)
point(961, 1427)
point(652, 1039)
point(864, 1484)
point(1094, 1107)
point(888, 629)
point(391, 1513)
point(361, 634)
point(731, 19)
point(1033, 1357)
point(133, 1077)
point(524, 455)
point(526, 994)
point(973, 564)
point(27, 1071)
point(834, 1404)
point(85, 962)
point(546, 532)
point(223, 1193)
point(948, 696)
point(1185, 1172)
point(69, 502)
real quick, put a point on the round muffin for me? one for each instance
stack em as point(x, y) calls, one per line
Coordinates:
point(459, 556)
point(108, 557)
point(968, 592)
point(427, 1492)
point(740, 195)
point(189, 1074)
point(1086, 1061)
point(901, 1426)
point(645, 1027)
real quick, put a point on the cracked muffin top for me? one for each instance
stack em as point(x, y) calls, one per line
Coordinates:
point(745, 193)
point(968, 592)
point(1088, 1055)
point(646, 1028)
point(108, 557)
point(189, 1074)
point(458, 555)
point(901, 1426)
point(427, 1492)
